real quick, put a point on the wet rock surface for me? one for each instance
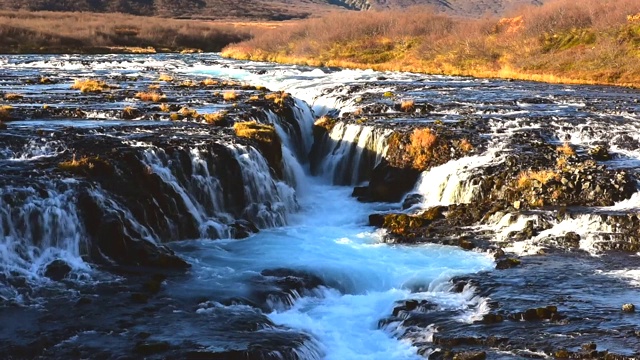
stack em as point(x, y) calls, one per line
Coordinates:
point(529, 311)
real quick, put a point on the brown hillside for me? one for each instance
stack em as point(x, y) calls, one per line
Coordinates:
point(259, 9)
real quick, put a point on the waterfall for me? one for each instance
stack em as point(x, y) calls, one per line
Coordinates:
point(268, 201)
point(38, 225)
point(350, 151)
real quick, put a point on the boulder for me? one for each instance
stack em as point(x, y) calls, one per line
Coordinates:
point(57, 270)
point(390, 184)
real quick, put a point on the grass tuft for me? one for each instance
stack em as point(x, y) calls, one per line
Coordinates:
point(210, 82)
point(230, 95)
point(526, 178)
point(13, 96)
point(407, 105)
point(566, 149)
point(219, 118)
point(90, 85)
point(151, 96)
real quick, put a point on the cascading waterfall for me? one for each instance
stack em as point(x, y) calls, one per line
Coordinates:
point(200, 192)
point(268, 201)
point(38, 226)
point(350, 151)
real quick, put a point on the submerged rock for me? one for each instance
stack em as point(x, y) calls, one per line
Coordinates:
point(628, 308)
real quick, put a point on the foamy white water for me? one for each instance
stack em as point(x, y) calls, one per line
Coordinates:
point(329, 238)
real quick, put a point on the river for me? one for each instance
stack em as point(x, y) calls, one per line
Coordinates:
point(317, 282)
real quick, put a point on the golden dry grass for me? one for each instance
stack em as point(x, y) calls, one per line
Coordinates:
point(189, 113)
point(56, 32)
point(90, 85)
point(165, 78)
point(189, 83)
point(526, 178)
point(129, 112)
point(408, 105)
point(13, 96)
point(566, 149)
point(164, 107)
point(230, 95)
point(210, 82)
point(218, 118)
point(278, 98)
point(254, 130)
point(83, 164)
point(590, 42)
point(5, 112)
point(465, 146)
point(420, 149)
point(151, 96)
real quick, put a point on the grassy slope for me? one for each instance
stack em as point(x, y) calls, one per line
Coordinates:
point(194, 9)
point(255, 9)
point(59, 32)
point(594, 41)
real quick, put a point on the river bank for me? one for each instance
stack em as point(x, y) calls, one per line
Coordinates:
point(558, 42)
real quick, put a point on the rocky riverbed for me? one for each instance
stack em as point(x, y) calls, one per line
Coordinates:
point(128, 185)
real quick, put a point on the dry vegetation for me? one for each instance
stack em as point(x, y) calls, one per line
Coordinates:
point(90, 85)
point(5, 112)
point(13, 96)
point(219, 118)
point(230, 95)
point(526, 178)
point(407, 105)
point(151, 96)
point(52, 32)
point(593, 41)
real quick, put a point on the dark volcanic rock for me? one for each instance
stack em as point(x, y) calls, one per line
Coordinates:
point(57, 270)
point(389, 183)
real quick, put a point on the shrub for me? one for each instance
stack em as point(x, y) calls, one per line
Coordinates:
point(165, 78)
point(420, 149)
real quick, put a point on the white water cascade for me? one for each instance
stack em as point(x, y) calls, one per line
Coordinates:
point(350, 150)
